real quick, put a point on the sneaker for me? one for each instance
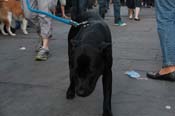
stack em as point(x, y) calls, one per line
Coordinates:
point(120, 23)
point(42, 54)
point(137, 19)
point(38, 47)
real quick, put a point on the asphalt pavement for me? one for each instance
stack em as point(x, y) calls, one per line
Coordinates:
point(31, 88)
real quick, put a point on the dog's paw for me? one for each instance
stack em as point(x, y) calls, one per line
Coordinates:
point(12, 34)
point(5, 34)
point(25, 32)
point(107, 114)
point(70, 94)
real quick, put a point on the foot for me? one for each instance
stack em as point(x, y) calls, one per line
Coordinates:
point(137, 19)
point(107, 114)
point(42, 54)
point(70, 93)
point(130, 17)
point(167, 77)
point(64, 16)
point(25, 32)
point(120, 23)
point(39, 45)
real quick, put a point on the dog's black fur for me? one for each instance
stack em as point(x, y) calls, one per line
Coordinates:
point(90, 56)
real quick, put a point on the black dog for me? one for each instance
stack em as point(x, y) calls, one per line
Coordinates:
point(90, 56)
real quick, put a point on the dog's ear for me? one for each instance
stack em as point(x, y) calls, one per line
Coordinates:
point(75, 43)
point(104, 46)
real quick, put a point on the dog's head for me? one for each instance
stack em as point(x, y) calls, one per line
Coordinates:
point(88, 66)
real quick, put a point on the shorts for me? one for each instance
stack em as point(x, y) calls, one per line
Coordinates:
point(63, 2)
point(132, 4)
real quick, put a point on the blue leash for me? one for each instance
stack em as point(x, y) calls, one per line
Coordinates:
point(66, 21)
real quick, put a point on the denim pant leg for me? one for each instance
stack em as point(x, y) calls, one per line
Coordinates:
point(78, 7)
point(83, 5)
point(166, 29)
point(116, 10)
point(107, 4)
point(102, 7)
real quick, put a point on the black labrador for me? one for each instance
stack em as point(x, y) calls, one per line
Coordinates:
point(90, 56)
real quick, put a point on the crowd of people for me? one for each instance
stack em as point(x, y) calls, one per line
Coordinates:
point(59, 7)
point(43, 23)
point(133, 11)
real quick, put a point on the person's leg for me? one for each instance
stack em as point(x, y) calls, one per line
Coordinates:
point(42, 23)
point(45, 22)
point(148, 3)
point(165, 25)
point(96, 2)
point(110, 1)
point(63, 4)
point(45, 30)
point(78, 7)
point(32, 17)
point(130, 13)
point(107, 4)
point(116, 10)
point(137, 12)
point(137, 9)
point(117, 18)
point(63, 11)
point(102, 7)
point(153, 3)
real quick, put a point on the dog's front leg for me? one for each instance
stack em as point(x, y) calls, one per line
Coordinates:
point(8, 25)
point(71, 90)
point(24, 26)
point(107, 91)
point(2, 29)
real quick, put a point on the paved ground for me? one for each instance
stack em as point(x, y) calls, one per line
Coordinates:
point(30, 88)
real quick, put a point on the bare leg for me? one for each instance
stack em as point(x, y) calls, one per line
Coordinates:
point(8, 25)
point(63, 11)
point(24, 26)
point(130, 13)
point(45, 43)
point(137, 12)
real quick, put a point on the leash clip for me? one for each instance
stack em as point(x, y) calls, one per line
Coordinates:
point(75, 24)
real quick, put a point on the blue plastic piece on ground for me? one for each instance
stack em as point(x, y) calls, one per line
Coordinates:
point(132, 74)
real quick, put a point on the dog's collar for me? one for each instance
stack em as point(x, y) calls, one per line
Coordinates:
point(84, 24)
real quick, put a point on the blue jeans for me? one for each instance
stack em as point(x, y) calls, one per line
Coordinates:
point(78, 7)
point(117, 6)
point(102, 8)
point(166, 29)
point(107, 3)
